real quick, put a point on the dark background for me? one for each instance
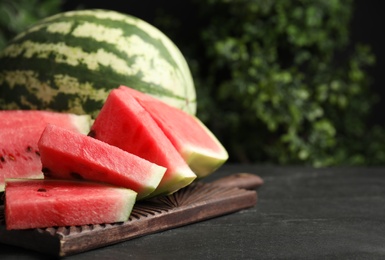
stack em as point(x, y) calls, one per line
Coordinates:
point(367, 27)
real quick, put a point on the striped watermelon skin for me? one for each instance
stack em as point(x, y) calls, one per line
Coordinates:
point(70, 61)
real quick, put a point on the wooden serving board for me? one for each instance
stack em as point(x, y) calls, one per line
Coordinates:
point(198, 201)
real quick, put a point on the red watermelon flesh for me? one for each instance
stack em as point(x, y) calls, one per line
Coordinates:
point(69, 155)
point(19, 155)
point(47, 203)
point(39, 118)
point(194, 141)
point(124, 123)
point(19, 133)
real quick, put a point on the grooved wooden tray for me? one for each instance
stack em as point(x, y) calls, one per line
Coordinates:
point(194, 203)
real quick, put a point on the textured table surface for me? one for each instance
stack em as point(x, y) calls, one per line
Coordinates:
point(302, 213)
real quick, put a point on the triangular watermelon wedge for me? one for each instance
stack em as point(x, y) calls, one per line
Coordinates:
point(20, 131)
point(193, 140)
point(69, 155)
point(124, 123)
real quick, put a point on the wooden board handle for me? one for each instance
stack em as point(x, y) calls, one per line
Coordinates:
point(246, 181)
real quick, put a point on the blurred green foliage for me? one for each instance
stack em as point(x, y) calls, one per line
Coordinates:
point(16, 15)
point(279, 81)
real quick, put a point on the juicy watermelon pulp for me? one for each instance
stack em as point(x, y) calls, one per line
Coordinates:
point(19, 134)
point(13, 119)
point(68, 155)
point(47, 203)
point(124, 123)
point(191, 138)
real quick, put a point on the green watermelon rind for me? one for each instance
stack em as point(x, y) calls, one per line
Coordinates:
point(181, 179)
point(38, 176)
point(153, 185)
point(82, 123)
point(38, 70)
point(204, 162)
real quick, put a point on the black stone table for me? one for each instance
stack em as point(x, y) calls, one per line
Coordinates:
point(302, 213)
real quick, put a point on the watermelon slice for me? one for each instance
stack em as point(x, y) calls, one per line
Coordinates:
point(69, 155)
point(194, 141)
point(47, 203)
point(39, 118)
point(124, 123)
point(19, 133)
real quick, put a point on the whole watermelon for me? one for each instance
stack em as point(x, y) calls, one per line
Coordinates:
point(70, 61)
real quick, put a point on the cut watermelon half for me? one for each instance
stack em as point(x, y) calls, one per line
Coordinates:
point(69, 155)
point(193, 140)
point(47, 203)
point(19, 134)
point(124, 123)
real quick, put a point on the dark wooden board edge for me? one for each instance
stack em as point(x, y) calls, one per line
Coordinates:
point(195, 203)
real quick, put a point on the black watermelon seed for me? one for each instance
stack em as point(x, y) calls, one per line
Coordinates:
point(42, 190)
point(92, 134)
point(46, 171)
point(76, 175)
